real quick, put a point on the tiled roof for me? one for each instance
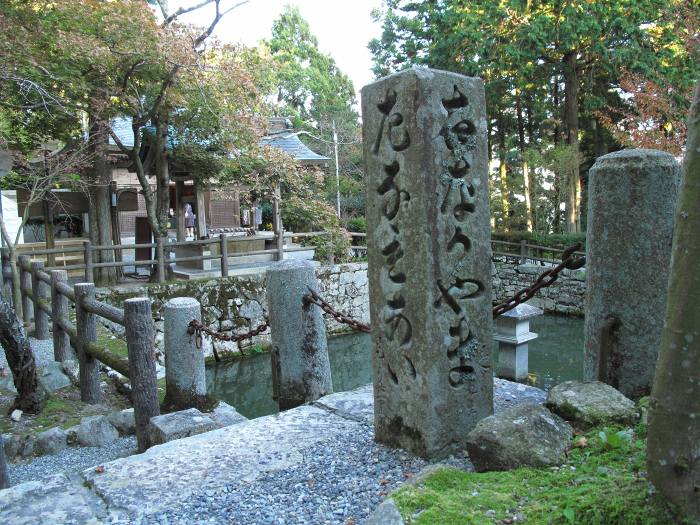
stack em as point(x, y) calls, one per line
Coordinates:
point(288, 142)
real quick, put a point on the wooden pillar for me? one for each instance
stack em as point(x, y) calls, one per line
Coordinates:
point(86, 325)
point(223, 249)
point(87, 255)
point(160, 257)
point(116, 227)
point(138, 324)
point(49, 230)
point(59, 309)
point(201, 213)
point(277, 222)
point(25, 283)
point(180, 210)
point(40, 292)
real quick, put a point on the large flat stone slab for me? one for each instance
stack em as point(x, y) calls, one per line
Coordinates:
point(357, 404)
point(178, 425)
point(51, 501)
point(167, 474)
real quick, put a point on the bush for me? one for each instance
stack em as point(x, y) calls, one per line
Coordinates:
point(551, 240)
point(332, 247)
point(357, 225)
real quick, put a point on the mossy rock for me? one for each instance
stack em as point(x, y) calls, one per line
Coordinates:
point(592, 403)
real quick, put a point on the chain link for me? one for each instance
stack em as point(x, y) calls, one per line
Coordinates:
point(313, 298)
point(545, 279)
point(568, 262)
point(196, 328)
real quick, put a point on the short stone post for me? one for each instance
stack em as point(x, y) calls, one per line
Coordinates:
point(87, 256)
point(86, 327)
point(138, 325)
point(40, 292)
point(523, 251)
point(301, 365)
point(512, 332)
point(223, 248)
point(429, 248)
point(631, 202)
point(59, 308)
point(185, 383)
point(25, 284)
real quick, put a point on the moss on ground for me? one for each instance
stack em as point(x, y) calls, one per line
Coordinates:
point(108, 340)
point(600, 484)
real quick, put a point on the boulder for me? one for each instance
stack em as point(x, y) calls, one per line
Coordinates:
point(51, 376)
point(176, 425)
point(590, 403)
point(225, 415)
point(27, 446)
point(96, 431)
point(16, 415)
point(72, 370)
point(525, 435)
point(7, 382)
point(52, 441)
point(72, 435)
point(123, 421)
point(12, 444)
point(387, 513)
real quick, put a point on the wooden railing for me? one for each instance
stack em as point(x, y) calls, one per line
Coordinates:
point(47, 296)
point(525, 252)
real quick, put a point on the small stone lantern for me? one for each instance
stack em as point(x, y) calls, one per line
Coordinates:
point(512, 331)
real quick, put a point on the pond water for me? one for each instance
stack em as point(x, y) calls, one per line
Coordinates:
point(555, 356)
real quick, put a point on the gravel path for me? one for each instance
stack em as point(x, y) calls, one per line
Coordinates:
point(339, 481)
point(70, 460)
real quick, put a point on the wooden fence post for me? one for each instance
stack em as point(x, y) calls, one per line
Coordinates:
point(160, 257)
point(6, 275)
point(523, 251)
point(59, 309)
point(224, 255)
point(25, 283)
point(138, 324)
point(87, 333)
point(40, 292)
point(89, 269)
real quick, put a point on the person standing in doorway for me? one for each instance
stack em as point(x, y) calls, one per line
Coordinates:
point(189, 221)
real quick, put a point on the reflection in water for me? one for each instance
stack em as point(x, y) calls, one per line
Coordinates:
point(556, 356)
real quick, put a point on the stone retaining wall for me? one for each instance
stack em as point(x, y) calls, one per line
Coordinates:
point(565, 296)
point(238, 304)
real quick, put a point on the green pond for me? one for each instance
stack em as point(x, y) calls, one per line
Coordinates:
point(555, 356)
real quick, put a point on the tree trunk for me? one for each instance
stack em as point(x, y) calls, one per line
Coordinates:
point(556, 218)
point(526, 171)
point(100, 209)
point(674, 426)
point(503, 174)
point(21, 361)
point(573, 186)
point(162, 204)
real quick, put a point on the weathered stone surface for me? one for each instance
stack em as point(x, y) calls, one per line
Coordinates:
point(7, 382)
point(16, 415)
point(52, 441)
point(11, 444)
point(177, 425)
point(590, 403)
point(52, 377)
point(51, 501)
point(212, 460)
point(357, 404)
point(72, 370)
point(27, 446)
point(526, 435)
point(225, 415)
point(386, 513)
point(429, 258)
point(123, 421)
point(96, 431)
point(302, 370)
point(631, 202)
point(185, 383)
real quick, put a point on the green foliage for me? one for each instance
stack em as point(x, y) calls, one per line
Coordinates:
point(614, 440)
point(559, 241)
point(597, 485)
point(357, 224)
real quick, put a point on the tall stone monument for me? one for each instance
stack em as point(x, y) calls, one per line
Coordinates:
point(631, 202)
point(429, 258)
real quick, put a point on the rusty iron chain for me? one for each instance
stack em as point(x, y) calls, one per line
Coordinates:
point(196, 328)
point(545, 279)
point(568, 262)
point(313, 298)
